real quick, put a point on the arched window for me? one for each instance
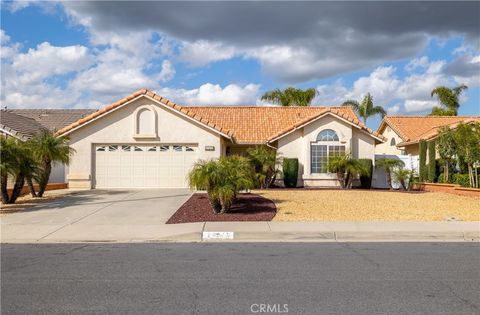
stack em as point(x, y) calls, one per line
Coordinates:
point(327, 135)
point(326, 146)
point(145, 122)
point(393, 142)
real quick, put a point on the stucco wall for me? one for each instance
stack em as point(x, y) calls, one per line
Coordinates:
point(119, 126)
point(386, 148)
point(297, 144)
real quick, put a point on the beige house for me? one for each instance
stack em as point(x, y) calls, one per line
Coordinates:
point(145, 140)
point(403, 133)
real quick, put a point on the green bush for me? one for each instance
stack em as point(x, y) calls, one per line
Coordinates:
point(423, 161)
point(461, 179)
point(431, 162)
point(290, 172)
point(442, 179)
point(366, 177)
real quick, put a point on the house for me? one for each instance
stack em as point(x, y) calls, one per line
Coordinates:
point(145, 140)
point(403, 133)
point(23, 124)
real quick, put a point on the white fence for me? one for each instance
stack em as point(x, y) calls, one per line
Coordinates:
point(379, 179)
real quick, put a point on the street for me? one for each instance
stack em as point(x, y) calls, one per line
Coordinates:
point(241, 278)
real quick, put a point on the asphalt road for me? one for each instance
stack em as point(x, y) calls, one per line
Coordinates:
point(306, 278)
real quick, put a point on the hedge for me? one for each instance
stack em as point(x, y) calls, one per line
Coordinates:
point(366, 179)
point(290, 172)
point(431, 162)
point(461, 179)
point(423, 160)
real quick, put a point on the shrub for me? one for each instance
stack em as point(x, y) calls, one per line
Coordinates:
point(290, 172)
point(431, 162)
point(423, 161)
point(223, 179)
point(346, 169)
point(461, 179)
point(265, 162)
point(366, 177)
point(403, 176)
point(442, 179)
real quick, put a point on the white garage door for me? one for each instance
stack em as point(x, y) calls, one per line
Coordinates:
point(143, 166)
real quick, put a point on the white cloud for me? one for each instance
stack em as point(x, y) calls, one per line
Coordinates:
point(416, 63)
point(168, 71)
point(214, 94)
point(202, 52)
point(418, 105)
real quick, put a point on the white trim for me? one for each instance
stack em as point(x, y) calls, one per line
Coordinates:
point(321, 116)
point(11, 134)
point(156, 101)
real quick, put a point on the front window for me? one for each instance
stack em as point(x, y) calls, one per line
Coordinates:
point(326, 146)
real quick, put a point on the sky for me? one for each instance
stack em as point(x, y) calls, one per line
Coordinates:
point(78, 54)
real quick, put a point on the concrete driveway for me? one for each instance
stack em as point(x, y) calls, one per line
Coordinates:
point(100, 215)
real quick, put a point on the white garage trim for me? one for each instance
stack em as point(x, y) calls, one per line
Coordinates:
point(143, 165)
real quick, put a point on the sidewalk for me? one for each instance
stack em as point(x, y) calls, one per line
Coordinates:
point(255, 232)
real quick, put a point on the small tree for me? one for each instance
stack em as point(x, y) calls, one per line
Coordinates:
point(265, 162)
point(431, 161)
point(346, 169)
point(366, 108)
point(467, 141)
point(446, 150)
point(47, 148)
point(389, 165)
point(403, 176)
point(222, 179)
point(423, 161)
point(449, 100)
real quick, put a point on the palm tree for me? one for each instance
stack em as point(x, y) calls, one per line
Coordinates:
point(17, 162)
point(265, 162)
point(290, 96)
point(47, 149)
point(389, 165)
point(403, 176)
point(346, 169)
point(222, 179)
point(448, 98)
point(366, 108)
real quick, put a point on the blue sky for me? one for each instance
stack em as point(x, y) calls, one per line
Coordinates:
point(88, 54)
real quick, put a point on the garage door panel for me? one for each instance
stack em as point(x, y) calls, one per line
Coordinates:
point(143, 166)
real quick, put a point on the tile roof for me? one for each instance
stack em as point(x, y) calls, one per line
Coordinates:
point(245, 124)
point(19, 126)
point(53, 119)
point(415, 128)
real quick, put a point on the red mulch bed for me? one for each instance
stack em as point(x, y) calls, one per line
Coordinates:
point(247, 207)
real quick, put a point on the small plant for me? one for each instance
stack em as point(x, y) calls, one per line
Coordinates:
point(403, 176)
point(446, 149)
point(389, 165)
point(346, 169)
point(265, 162)
point(290, 172)
point(461, 179)
point(223, 179)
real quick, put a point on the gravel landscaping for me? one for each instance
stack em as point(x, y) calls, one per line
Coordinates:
point(370, 205)
point(247, 207)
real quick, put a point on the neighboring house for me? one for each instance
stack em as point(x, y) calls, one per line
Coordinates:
point(145, 140)
point(25, 123)
point(403, 134)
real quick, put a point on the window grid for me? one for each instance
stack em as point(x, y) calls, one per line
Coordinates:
point(320, 155)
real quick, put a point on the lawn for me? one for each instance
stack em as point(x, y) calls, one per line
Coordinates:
point(370, 205)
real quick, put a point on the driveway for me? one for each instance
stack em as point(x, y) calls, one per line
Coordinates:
point(99, 215)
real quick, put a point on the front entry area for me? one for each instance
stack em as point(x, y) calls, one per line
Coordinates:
point(143, 165)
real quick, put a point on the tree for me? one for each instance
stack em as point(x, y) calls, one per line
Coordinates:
point(265, 162)
point(431, 161)
point(222, 179)
point(389, 165)
point(467, 141)
point(423, 172)
point(47, 149)
point(403, 176)
point(366, 108)
point(17, 162)
point(448, 99)
point(446, 149)
point(346, 169)
point(290, 96)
